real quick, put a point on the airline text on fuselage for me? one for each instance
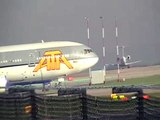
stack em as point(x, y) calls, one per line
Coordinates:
point(52, 61)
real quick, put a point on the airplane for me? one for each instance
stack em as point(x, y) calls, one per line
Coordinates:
point(41, 62)
point(123, 61)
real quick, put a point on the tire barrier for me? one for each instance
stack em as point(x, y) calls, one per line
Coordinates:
point(152, 108)
point(76, 91)
point(16, 106)
point(71, 91)
point(100, 108)
point(59, 107)
point(74, 104)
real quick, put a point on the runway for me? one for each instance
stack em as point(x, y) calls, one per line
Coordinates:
point(135, 72)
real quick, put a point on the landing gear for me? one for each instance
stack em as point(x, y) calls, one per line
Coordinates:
point(58, 85)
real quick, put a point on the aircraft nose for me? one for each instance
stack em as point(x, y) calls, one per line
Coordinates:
point(95, 59)
point(88, 62)
point(91, 61)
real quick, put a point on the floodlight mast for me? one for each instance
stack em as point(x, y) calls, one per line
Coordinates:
point(117, 48)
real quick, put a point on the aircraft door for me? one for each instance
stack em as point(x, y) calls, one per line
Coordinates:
point(32, 60)
point(28, 73)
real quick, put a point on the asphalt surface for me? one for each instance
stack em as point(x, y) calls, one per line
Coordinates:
point(134, 72)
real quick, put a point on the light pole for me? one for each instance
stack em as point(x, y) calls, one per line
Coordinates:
point(88, 31)
point(117, 47)
point(88, 39)
point(103, 46)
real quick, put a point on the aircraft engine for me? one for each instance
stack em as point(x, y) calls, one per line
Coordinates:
point(128, 57)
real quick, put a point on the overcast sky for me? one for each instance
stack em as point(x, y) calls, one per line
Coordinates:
point(28, 21)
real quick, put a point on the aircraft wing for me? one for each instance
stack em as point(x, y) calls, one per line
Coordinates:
point(110, 65)
point(114, 66)
point(130, 63)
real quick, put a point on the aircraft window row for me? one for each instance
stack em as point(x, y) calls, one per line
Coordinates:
point(38, 58)
point(56, 56)
point(17, 60)
point(6, 61)
point(87, 51)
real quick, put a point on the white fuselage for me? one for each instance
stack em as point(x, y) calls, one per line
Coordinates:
point(44, 61)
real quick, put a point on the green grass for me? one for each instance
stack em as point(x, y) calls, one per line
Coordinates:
point(151, 80)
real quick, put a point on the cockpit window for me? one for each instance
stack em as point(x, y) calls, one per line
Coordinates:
point(87, 51)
